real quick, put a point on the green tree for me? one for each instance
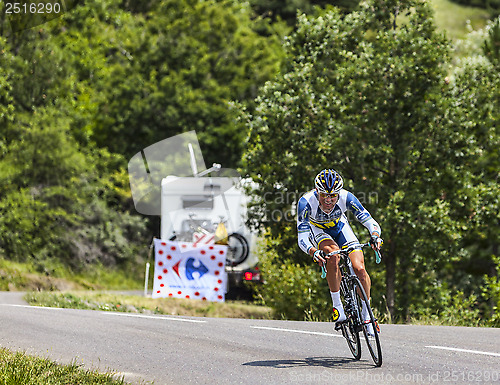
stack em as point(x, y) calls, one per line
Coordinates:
point(62, 201)
point(366, 94)
point(476, 95)
point(491, 46)
point(171, 67)
point(81, 93)
point(6, 100)
point(52, 207)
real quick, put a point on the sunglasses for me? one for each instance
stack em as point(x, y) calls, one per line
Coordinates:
point(325, 195)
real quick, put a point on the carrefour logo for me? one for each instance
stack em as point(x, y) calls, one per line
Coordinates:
point(201, 269)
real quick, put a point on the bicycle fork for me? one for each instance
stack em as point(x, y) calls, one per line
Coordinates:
point(352, 309)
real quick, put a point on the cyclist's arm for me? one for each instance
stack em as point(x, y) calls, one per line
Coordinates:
point(362, 215)
point(303, 227)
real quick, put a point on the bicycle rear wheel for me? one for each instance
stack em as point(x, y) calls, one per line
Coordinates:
point(372, 340)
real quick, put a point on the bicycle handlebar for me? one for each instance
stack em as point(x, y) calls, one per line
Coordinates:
point(378, 256)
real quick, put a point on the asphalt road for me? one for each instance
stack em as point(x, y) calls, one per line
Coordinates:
point(188, 350)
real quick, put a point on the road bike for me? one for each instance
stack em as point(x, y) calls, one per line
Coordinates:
point(352, 293)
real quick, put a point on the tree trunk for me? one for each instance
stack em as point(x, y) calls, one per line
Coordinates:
point(493, 273)
point(390, 276)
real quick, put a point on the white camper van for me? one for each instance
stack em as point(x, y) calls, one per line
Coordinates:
point(193, 207)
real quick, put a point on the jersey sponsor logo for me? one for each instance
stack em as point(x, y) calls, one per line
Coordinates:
point(304, 226)
point(324, 225)
point(355, 206)
point(336, 213)
point(363, 216)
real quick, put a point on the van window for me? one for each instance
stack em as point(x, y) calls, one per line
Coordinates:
point(197, 202)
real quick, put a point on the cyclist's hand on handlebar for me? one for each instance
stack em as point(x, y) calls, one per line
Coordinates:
point(376, 242)
point(319, 256)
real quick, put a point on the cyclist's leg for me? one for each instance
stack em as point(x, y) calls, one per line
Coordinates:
point(325, 242)
point(358, 264)
point(332, 265)
point(345, 239)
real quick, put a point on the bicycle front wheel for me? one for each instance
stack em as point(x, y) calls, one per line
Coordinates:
point(371, 333)
point(352, 337)
point(350, 329)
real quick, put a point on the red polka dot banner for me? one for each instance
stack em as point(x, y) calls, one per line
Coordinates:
point(187, 270)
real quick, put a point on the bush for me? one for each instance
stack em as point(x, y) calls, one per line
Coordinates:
point(491, 293)
point(295, 292)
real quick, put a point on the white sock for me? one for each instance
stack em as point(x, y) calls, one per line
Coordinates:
point(336, 299)
point(364, 310)
point(337, 304)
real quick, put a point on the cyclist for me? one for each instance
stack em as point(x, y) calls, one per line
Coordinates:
point(323, 227)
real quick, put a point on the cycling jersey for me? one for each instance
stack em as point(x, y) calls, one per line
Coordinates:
point(314, 225)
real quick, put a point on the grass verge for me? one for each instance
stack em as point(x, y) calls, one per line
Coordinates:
point(20, 368)
point(137, 304)
point(15, 276)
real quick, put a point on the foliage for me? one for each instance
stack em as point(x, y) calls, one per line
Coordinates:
point(175, 81)
point(355, 95)
point(477, 107)
point(491, 294)
point(491, 45)
point(55, 275)
point(451, 309)
point(50, 206)
point(294, 292)
point(83, 92)
point(287, 10)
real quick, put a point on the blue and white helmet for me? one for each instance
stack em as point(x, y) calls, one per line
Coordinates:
point(328, 181)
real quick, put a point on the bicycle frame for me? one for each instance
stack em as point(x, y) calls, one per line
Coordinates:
point(347, 289)
point(353, 293)
point(347, 285)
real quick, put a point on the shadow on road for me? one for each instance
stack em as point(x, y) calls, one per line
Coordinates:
point(325, 362)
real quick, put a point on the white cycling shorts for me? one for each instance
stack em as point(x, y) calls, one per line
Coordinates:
point(344, 238)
